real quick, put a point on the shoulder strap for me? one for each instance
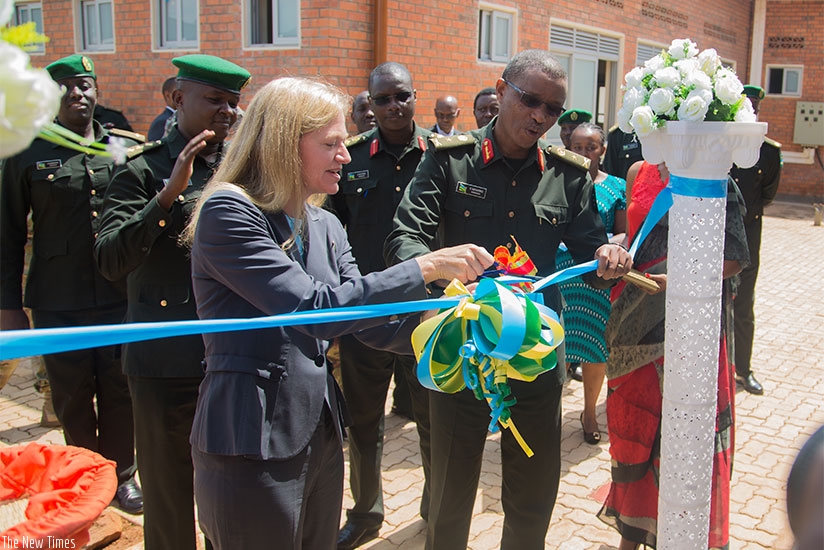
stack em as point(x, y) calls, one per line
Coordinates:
point(137, 150)
point(450, 142)
point(569, 157)
point(140, 138)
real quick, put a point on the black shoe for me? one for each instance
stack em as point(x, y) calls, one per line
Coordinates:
point(574, 372)
point(397, 411)
point(129, 497)
point(352, 536)
point(750, 384)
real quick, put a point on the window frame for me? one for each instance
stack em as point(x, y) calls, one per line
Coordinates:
point(84, 37)
point(277, 42)
point(799, 69)
point(26, 7)
point(489, 17)
point(162, 43)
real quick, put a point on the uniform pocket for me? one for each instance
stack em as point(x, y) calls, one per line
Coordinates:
point(553, 214)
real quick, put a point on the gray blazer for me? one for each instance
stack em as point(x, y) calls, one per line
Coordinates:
point(264, 390)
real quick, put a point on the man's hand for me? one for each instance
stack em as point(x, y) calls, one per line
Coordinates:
point(464, 262)
point(613, 261)
point(13, 319)
point(183, 169)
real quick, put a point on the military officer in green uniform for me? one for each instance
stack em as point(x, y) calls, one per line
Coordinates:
point(570, 120)
point(490, 187)
point(63, 189)
point(384, 159)
point(623, 150)
point(147, 206)
point(758, 186)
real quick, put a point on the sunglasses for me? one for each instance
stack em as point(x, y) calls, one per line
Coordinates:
point(532, 102)
point(400, 97)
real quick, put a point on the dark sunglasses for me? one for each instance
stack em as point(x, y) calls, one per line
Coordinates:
point(532, 102)
point(400, 97)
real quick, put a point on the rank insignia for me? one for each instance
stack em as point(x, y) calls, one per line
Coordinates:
point(487, 150)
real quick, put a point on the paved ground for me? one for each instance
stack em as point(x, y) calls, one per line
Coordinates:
point(789, 361)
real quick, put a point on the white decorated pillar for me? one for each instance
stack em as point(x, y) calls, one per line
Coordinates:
point(698, 155)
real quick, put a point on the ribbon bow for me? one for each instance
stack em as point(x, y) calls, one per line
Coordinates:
point(500, 334)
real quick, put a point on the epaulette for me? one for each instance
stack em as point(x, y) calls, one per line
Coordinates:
point(615, 127)
point(140, 138)
point(450, 142)
point(354, 140)
point(772, 142)
point(568, 156)
point(136, 150)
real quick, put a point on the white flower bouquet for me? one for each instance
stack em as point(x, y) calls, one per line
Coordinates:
point(683, 84)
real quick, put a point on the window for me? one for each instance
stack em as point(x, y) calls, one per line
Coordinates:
point(274, 22)
point(591, 61)
point(25, 13)
point(97, 25)
point(178, 24)
point(784, 80)
point(647, 51)
point(495, 35)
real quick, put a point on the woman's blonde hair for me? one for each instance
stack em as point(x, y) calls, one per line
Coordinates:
point(263, 159)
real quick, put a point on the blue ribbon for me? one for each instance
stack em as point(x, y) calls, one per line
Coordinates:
point(690, 187)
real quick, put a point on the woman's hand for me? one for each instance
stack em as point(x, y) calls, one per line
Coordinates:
point(660, 278)
point(464, 262)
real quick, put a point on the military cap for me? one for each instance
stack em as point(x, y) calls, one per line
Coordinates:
point(751, 90)
point(212, 70)
point(575, 116)
point(71, 66)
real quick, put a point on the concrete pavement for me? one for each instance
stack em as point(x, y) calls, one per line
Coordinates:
point(788, 359)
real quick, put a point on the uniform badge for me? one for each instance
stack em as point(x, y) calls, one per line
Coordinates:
point(359, 175)
point(487, 151)
point(541, 160)
point(573, 116)
point(373, 147)
point(49, 164)
point(422, 143)
point(476, 191)
point(630, 145)
point(87, 63)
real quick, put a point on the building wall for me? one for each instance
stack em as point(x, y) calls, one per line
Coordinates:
point(796, 29)
point(436, 40)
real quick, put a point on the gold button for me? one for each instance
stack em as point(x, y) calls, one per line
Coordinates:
point(509, 245)
point(94, 213)
point(511, 214)
point(50, 177)
point(360, 189)
point(398, 188)
point(514, 183)
point(181, 198)
point(94, 192)
point(626, 156)
point(91, 172)
point(467, 213)
point(398, 168)
point(162, 223)
point(95, 235)
point(736, 180)
point(163, 303)
point(554, 221)
point(759, 170)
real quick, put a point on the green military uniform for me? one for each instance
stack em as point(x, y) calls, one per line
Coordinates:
point(623, 150)
point(64, 191)
point(371, 188)
point(466, 191)
point(139, 240)
point(758, 185)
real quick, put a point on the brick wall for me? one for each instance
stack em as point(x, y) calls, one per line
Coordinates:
point(436, 40)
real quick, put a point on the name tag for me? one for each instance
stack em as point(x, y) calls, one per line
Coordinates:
point(630, 145)
point(359, 175)
point(471, 190)
point(49, 164)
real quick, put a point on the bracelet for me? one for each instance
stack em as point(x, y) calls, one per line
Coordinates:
point(621, 245)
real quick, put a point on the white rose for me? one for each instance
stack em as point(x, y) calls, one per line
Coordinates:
point(682, 49)
point(709, 62)
point(686, 66)
point(29, 99)
point(728, 88)
point(745, 113)
point(622, 118)
point(698, 80)
point(634, 77)
point(653, 64)
point(633, 97)
point(694, 107)
point(662, 101)
point(668, 77)
point(643, 121)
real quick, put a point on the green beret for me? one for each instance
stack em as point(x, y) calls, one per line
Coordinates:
point(71, 66)
point(754, 91)
point(575, 116)
point(211, 70)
